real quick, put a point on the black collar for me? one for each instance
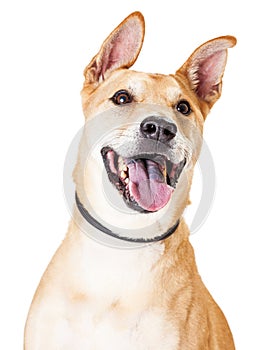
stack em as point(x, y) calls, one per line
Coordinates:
point(93, 222)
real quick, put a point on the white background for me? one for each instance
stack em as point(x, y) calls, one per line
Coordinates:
point(44, 47)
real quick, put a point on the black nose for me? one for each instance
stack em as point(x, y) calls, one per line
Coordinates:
point(159, 129)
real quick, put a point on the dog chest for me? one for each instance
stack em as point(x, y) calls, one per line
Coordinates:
point(113, 330)
point(114, 304)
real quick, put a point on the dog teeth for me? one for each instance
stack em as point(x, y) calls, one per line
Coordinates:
point(123, 175)
point(123, 169)
point(126, 181)
point(121, 164)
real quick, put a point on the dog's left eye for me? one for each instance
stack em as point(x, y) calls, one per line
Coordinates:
point(121, 97)
point(183, 107)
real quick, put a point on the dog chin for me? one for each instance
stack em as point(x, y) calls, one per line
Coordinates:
point(146, 182)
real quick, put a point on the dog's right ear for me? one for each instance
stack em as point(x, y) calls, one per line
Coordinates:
point(119, 50)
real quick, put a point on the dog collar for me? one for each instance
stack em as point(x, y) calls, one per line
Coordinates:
point(93, 222)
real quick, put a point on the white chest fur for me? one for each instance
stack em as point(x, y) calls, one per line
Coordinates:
point(110, 302)
point(140, 331)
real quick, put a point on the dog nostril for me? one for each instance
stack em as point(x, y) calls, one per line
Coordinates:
point(168, 133)
point(149, 128)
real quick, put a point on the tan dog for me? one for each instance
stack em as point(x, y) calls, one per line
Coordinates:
point(125, 276)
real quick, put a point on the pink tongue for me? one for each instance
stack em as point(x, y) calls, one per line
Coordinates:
point(147, 185)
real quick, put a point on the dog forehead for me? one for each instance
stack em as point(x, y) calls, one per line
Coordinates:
point(148, 84)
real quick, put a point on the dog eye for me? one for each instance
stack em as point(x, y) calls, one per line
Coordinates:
point(121, 97)
point(184, 107)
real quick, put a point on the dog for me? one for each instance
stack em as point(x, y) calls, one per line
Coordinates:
point(125, 275)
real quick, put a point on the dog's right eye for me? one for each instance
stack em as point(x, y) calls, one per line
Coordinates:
point(121, 97)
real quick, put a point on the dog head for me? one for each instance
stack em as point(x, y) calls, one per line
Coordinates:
point(143, 132)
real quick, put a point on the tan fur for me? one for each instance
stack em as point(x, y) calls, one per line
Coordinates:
point(91, 295)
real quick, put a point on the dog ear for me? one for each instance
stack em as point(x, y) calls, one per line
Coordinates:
point(205, 68)
point(119, 50)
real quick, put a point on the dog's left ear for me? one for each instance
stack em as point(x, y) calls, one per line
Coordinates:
point(205, 68)
point(119, 50)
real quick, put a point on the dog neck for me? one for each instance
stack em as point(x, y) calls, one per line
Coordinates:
point(101, 228)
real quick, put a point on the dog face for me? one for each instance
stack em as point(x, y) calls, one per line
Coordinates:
point(143, 132)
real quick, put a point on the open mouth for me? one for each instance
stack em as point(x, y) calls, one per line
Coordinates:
point(146, 182)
